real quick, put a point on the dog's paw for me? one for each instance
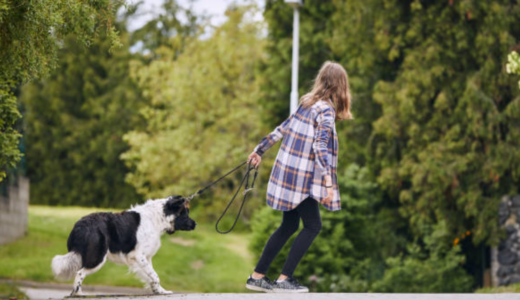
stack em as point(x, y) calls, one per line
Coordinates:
point(159, 290)
point(76, 294)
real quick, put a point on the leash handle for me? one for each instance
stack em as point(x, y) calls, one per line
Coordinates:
point(246, 190)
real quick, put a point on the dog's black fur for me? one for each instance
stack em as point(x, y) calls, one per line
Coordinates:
point(95, 234)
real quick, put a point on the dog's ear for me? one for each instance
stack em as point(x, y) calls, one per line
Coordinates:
point(173, 205)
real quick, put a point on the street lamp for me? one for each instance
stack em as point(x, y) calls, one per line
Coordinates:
point(296, 4)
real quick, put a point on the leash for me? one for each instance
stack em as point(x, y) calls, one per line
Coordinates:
point(247, 189)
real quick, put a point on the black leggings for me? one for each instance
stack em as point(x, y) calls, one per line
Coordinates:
point(309, 212)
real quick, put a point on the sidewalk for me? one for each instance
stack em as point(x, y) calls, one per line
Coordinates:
point(39, 290)
point(54, 291)
point(323, 296)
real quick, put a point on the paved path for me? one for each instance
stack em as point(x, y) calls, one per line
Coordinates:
point(54, 291)
point(311, 296)
point(51, 290)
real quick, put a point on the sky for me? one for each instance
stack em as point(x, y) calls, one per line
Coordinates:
point(213, 8)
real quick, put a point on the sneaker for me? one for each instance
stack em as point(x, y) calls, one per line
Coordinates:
point(289, 285)
point(259, 285)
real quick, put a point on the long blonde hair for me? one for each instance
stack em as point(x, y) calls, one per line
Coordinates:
point(331, 84)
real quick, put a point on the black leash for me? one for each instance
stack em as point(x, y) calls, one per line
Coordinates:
point(247, 189)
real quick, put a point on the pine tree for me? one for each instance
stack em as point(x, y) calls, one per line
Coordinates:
point(447, 138)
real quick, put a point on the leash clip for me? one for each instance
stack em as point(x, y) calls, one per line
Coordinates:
point(247, 191)
point(191, 197)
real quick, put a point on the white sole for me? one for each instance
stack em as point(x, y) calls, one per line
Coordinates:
point(257, 289)
point(282, 291)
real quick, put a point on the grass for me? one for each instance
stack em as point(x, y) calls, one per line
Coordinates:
point(197, 261)
point(8, 291)
point(514, 288)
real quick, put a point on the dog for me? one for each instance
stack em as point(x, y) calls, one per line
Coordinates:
point(131, 237)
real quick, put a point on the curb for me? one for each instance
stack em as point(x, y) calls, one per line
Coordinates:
point(68, 287)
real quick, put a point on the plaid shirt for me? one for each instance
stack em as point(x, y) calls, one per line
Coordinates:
point(307, 154)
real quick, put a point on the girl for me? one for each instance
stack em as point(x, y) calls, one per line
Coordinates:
point(304, 174)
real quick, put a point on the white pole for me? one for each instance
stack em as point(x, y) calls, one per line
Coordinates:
point(294, 83)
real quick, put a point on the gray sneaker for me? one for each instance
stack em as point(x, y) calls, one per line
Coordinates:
point(289, 285)
point(259, 285)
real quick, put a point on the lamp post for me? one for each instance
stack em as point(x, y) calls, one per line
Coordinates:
point(296, 4)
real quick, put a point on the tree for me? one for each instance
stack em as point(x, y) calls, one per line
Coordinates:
point(74, 122)
point(29, 41)
point(447, 138)
point(166, 31)
point(76, 118)
point(201, 120)
point(445, 146)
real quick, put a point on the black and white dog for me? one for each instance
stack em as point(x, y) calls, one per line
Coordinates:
point(131, 237)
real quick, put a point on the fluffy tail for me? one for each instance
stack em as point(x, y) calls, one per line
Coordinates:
point(65, 266)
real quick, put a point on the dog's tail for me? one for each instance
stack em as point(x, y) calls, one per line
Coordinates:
point(65, 266)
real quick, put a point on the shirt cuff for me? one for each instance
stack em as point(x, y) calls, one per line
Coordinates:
point(258, 150)
point(325, 171)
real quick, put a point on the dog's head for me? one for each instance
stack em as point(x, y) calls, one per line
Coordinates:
point(176, 210)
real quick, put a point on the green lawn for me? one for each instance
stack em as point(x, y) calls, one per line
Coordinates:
point(514, 288)
point(197, 261)
point(8, 291)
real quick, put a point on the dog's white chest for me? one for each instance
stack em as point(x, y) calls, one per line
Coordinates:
point(148, 241)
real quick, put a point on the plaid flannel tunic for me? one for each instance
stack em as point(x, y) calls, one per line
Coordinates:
point(307, 154)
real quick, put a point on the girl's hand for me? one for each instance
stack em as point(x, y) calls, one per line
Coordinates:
point(254, 159)
point(330, 190)
point(330, 196)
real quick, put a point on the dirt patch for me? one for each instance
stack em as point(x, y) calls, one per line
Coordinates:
point(238, 245)
point(197, 264)
point(182, 242)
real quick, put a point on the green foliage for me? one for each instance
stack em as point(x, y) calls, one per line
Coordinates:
point(513, 288)
point(513, 64)
point(9, 153)
point(166, 32)
point(75, 120)
point(446, 144)
point(201, 120)
point(434, 268)
point(425, 275)
point(11, 292)
point(29, 41)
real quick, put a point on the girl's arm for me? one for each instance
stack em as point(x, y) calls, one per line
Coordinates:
point(325, 120)
point(272, 138)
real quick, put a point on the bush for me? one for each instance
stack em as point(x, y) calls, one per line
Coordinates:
point(434, 274)
point(432, 265)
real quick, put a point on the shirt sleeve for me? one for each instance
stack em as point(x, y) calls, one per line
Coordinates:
point(272, 138)
point(323, 132)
